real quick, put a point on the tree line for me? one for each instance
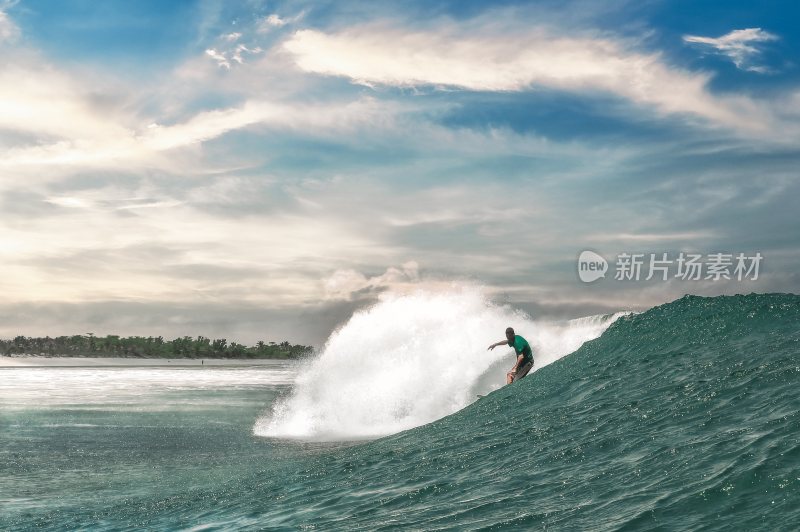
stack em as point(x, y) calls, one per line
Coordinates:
point(90, 345)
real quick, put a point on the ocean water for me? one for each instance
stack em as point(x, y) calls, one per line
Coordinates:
point(682, 417)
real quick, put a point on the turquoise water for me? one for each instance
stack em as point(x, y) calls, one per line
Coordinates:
point(682, 417)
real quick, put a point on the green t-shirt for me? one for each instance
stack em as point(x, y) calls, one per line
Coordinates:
point(522, 347)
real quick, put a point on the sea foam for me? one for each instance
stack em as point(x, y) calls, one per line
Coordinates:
point(411, 359)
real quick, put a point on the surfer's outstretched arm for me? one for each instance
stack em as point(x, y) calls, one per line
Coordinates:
point(504, 342)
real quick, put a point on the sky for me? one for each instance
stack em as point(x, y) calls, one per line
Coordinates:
point(260, 170)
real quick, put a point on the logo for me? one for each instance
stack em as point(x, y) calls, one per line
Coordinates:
point(591, 266)
point(661, 266)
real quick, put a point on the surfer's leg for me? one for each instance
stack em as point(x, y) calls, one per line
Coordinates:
point(510, 376)
point(523, 371)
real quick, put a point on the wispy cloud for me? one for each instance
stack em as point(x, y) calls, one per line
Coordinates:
point(739, 46)
point(9, 31)
point(274, 20)
point(236, 54)
point(651, 237)
point(517, 61)
point(219, 57)
point(65, 126)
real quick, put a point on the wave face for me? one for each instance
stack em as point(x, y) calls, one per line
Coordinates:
point(682, 417)
point(410, 360)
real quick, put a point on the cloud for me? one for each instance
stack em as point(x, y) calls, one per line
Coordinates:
point(9, 32)
point(276, 21)
point(219, 57)
point(691, 236)
point(738, 46)
point(224, 57)
point(517, 61)
point(105, 144)
point(346, 284)
point(96, 248)
point(43, 100)
point(240, 50)
point(321, 118)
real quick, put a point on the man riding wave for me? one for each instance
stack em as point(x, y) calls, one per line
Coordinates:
point(524, 355)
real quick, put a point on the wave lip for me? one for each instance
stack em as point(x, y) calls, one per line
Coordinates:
point(412, 359)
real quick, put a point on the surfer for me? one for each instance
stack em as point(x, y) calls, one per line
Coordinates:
point(524, 355)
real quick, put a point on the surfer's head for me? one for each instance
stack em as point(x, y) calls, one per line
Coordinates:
point(510, 334)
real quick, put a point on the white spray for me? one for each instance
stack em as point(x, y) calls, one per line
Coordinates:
point(412, 359)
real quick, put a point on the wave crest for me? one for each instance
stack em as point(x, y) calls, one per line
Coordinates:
point(411, 359)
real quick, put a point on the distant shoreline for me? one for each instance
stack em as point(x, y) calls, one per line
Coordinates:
point(150, 347)
point(55, 361)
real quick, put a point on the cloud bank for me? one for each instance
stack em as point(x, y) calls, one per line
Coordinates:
point(273, 172)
